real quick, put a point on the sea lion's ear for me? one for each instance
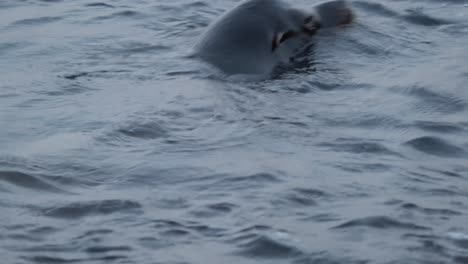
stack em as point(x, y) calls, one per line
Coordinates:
point(311, 25)
point(280, 38)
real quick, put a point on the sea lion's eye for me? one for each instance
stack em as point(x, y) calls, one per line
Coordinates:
point(310, 25)
point(281, 37)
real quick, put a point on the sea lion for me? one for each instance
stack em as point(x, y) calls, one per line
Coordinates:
point(257, 35)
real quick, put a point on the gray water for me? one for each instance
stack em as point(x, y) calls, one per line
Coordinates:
point(117, 147)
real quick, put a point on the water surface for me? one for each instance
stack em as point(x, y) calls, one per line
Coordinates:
point(116, 147)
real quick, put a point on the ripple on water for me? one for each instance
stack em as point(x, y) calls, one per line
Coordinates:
point(244, 182)
point(439, 127)
point(266, 247)
point(436, 146)
point(67, 89)
point(215, 209)
point(106, 249)
point(30, 233)
point(417, 17)
point(375, 8)
point(51, 1)
point(27, 181)
point(186, 228)
point(77, 210)
point(95, 233)
point(301, 197)
point(99, 4)
point(93, 245)
point(36, 21)
point(350, 145)
point(430, 101)
point(445, 173)
point(145, 130)
point(324, 257)
point(49, 259)
point(380, 222)
point(429, 211)
point(432, 246)
point(459, 239)
point(363, 167)
point(7, 47)
point(74, 76)
point(123, 14)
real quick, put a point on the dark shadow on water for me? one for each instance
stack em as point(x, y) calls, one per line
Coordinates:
point(436, 146)
point(99, 4)
point(77, 210)
point(28, 181)
point(380, 222)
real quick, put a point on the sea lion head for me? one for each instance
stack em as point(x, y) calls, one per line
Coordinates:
point(301, 23)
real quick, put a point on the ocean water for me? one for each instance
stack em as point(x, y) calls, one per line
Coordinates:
point(117, 147)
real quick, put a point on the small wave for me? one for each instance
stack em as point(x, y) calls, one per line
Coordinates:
point(446, 173)
point(6, 4)
point(122, 14)
point(196, 4)
point(444, 192)
point(321, 218)
point(324, 257)
point(429, 211)
point(363, 167)
point(380, 222)
point(431, 101)
point(148, 130)
point(250, 181)
point(439, 127)
point(175, 233)
point(429, 245)
point(28, 181)
point(133, 48)
point(153, 243)
point(95, 233)
point(49, 259)
point(82, 209)
point(417, 17)
point(344, 145)
point(99, 4)
point(266, 247)
point(214, 210)
point(69, 89)
point(459, 239)
point(36, 21)
point(436, 146)
point(301, 197)
point(376, 8)
point(74, 76)
point(370, 49)
point(106, 249)
point(299, 200)
point(177, 228)
point(93, 74)
point(366, 120)
point(7, 47)
point(459, 29)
